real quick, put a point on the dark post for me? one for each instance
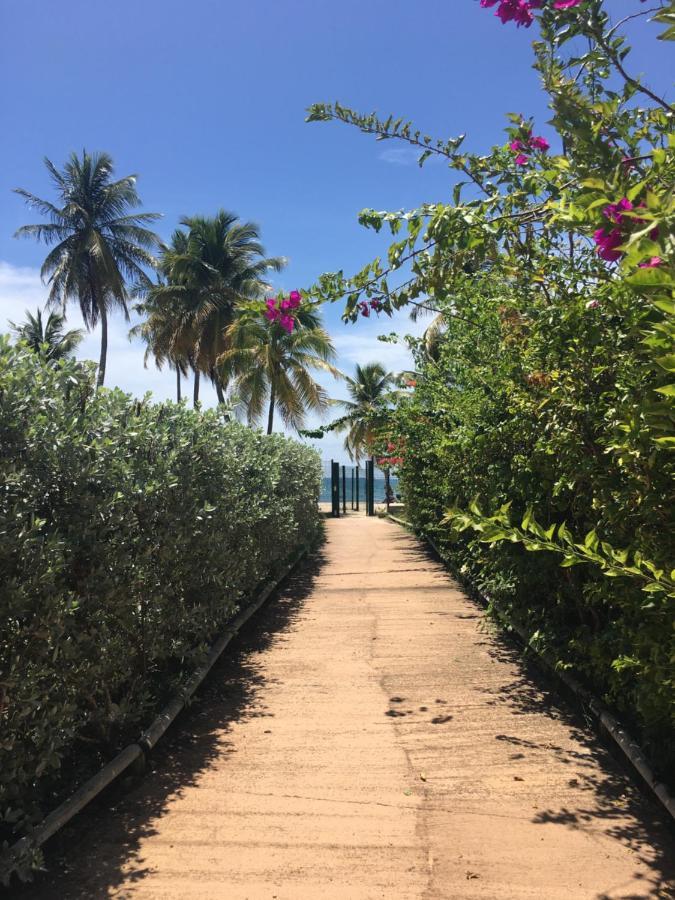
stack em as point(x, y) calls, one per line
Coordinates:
point(344, 490)
point(335, 488)
point(370, 488)
point(352, 498)
point(358, 477)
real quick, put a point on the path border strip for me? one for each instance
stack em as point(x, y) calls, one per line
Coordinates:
point(608, 723)
point(55, 820)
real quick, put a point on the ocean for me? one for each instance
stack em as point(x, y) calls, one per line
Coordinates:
point(378, 488)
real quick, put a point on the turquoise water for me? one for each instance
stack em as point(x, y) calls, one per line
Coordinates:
point(378, 487)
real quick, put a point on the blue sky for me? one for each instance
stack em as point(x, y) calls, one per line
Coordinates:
point(206, 102)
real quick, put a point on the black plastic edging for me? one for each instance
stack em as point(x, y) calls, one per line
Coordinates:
point(63, 813)
point(622, 738)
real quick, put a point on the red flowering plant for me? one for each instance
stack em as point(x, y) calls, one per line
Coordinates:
point(389, 454)
point(547, 382)
point(281, 310)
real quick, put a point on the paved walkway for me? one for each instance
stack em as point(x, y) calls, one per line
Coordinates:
point(370, 737)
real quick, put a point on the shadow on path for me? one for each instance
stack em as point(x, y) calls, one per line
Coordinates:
point(608, 796)
point(98, 851)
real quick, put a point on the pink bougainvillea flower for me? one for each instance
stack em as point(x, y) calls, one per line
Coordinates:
point(287, 322)
point(516, 146)
point(521, 159)
point(607, 242)
point(539, 143)
point(652, 263)
point(294, 299)
point(518, 11)
point(614, 212)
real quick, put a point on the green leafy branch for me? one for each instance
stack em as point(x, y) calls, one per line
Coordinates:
point(558, 539)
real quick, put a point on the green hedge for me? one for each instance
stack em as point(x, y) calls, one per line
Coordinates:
point(130, 533)
point(533, 420)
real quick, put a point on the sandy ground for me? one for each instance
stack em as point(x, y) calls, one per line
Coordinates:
point(370, 737)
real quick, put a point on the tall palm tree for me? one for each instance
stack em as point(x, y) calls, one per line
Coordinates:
point(100, 243)
point(163, 313)
point(48, 338)
point(370, 392)
point(157, 330)
point(272, 367)
point(210, 268)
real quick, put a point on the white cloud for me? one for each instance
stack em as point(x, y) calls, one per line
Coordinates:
point(21, 289)
point(399, 156)
point(407, 156)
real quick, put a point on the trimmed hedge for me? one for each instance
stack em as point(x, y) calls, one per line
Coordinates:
point(130, 534)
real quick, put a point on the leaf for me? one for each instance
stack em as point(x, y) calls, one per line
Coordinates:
point(650, 278)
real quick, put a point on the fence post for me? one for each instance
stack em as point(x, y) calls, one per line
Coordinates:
point(344, 490)
point(370, 488)
point(335, 488)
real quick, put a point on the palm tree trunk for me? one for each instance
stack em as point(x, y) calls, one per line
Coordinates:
point(195, 393)
point(270, 415)
point(219, 390)
point(104, 345)
point(178, 397)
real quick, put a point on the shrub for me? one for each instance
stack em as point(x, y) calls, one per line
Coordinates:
point(543, 416)
point(130, 533)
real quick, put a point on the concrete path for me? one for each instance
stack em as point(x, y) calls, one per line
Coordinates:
point(370, 737)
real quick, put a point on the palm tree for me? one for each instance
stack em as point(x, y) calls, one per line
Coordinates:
point(157, 330)
point(272, 367)
point(100, 243)
point(48, 338)
point(210, 270)
point(369, 392)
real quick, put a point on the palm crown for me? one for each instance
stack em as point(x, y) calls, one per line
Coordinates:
point(272, 366)
point(100, 245)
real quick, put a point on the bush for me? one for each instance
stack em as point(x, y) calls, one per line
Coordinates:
point(131, 532)
point(543, 411)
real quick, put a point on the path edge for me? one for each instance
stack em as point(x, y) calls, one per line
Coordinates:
point(138, 751)
point(606, 722)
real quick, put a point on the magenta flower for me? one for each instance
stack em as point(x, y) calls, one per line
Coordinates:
point(653, 263)
point(539, 143)
point(520, 11)
point(527, 144)
point(614, 212)
point(607, 243)
point(279, 310)
point(287, 322)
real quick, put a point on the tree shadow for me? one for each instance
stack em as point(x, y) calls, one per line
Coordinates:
point(99, 850)
point(605, 794)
